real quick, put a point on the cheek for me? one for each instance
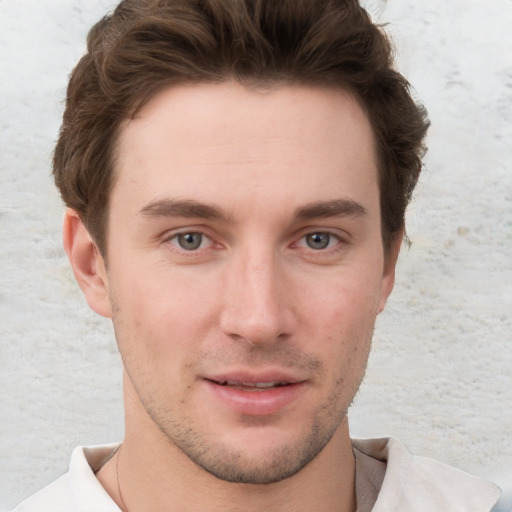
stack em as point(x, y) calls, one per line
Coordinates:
point(160, 314)
point(340, 327)
point(348, 305)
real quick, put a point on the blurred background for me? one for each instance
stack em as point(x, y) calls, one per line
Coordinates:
point(440, 374)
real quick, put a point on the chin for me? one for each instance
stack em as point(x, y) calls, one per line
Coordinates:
point(261, 458)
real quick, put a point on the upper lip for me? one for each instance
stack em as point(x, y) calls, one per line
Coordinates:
point(254, 378)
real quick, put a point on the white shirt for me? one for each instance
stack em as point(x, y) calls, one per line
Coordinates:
point(388, 478)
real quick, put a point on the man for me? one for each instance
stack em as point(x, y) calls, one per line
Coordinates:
point(236, 175)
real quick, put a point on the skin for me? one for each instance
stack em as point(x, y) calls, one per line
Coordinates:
point(244, 238)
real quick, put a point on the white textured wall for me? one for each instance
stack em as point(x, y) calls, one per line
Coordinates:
point(440, 376)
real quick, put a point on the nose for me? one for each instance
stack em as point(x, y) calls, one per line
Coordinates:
point(257, 301)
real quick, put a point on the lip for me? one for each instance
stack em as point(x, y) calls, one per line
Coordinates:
point(255, 394)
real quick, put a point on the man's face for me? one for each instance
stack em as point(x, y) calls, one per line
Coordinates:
point(245, 271)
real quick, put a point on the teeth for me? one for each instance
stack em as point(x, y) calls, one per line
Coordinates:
point(260, 385)
point(267, 384)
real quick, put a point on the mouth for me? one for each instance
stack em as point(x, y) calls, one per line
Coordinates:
point(255, 395)
point(251, 386)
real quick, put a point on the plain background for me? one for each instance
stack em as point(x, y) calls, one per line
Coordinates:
point(440, 375)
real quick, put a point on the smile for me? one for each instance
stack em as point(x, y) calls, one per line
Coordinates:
point(253, 396)
point(252, 386)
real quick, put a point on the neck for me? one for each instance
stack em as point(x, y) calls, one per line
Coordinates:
point(151, 474)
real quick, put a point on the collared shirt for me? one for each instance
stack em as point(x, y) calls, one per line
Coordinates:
point(416, 484)
point(388, 478)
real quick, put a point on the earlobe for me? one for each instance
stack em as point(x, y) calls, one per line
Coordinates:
point(87, 263)
point(388, 277)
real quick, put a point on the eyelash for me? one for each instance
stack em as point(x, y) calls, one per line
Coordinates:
point(174, 241)
point(332, 237)
point(301, 243)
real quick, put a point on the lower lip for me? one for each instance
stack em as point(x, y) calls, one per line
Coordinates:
point(256, 403)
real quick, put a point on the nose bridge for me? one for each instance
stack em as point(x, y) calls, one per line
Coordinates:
point(254, 302)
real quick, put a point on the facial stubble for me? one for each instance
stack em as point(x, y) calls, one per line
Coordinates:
point(229, 464)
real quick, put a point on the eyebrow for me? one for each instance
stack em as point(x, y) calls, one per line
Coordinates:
point(189, 208)
point(334, 208)
point(183, 208)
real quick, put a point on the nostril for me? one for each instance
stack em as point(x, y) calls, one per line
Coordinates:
point(258, 339)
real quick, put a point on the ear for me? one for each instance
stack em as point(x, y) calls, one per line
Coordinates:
point(87, 263)
point(388, 276)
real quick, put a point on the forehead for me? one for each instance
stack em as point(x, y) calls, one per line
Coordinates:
point(281, 143)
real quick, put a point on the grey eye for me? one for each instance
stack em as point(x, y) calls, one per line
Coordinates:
point(318, 240)
point(190, 241)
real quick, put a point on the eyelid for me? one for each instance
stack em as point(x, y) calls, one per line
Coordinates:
point(338, 240)
point(205, 240)
point(341, 235)
point(169, 236)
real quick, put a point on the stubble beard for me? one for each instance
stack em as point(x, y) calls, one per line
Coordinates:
point(231, 465)
point(235, 465)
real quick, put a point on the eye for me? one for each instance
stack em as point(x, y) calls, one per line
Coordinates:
point(320, 240)
point(191, 241)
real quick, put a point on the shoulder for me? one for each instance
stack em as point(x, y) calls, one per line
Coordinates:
point(422, 484)
point(76, 491)
point(55, 496)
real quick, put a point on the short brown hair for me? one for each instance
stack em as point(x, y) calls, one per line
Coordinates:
point(146, 45)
